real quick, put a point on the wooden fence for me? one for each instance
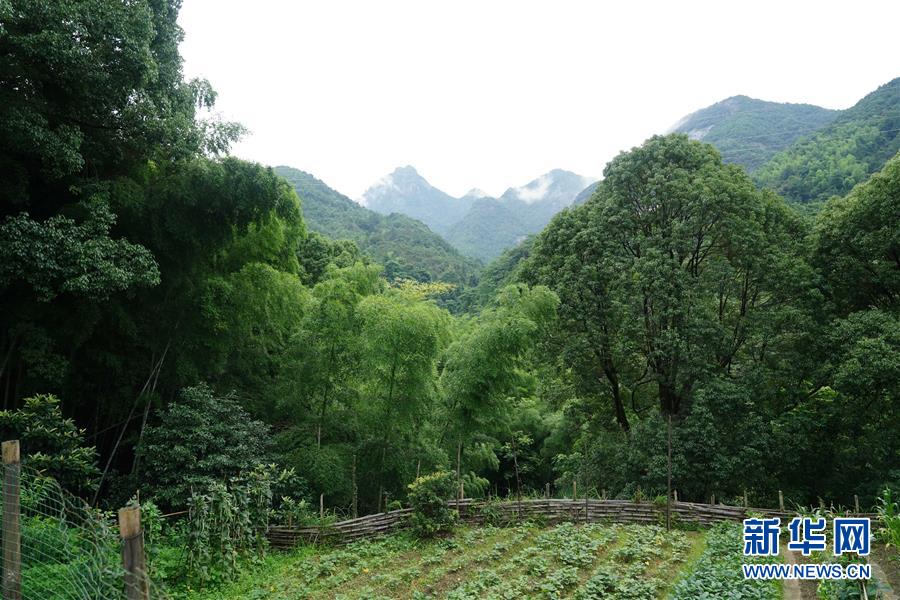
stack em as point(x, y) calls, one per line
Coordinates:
point(136, 583)
point(549, 510)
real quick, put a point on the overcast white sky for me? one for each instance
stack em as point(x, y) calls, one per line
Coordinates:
point(491, 93)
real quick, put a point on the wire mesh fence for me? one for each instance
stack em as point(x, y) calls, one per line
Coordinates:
point(57, 547)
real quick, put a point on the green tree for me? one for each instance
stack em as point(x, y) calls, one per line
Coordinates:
point(484, 365)
point(674, 268)
point(403, 335)
point(92, 90)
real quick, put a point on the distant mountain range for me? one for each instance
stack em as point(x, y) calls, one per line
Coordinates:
point(406, 247)
point(476, 224)
point(805, 153)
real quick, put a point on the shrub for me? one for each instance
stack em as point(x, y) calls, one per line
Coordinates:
point(51, 444)
point(428, 498)
point(199, 440)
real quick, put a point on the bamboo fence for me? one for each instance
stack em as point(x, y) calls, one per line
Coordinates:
point(548, 510)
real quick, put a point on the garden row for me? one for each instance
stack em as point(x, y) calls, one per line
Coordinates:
point(568, 560)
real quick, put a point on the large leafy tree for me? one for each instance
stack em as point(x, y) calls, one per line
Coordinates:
point(92, 106)
point(91, 89)
point(674, 268)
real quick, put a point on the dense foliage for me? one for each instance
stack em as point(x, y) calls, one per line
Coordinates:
point(50, 444)
point(496, 275)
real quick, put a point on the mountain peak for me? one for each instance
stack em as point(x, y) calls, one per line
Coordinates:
point(406, 192)
point(476, 193)
point(748, 131)
point(407, 171)
point(557, 186)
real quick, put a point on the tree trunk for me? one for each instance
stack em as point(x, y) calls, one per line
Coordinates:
point(458, 465)
point(668, 399)
point(613, 378)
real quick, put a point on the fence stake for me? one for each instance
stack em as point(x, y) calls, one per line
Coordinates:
point(712, 500)
point(137, 586)
point(321, 506)
point(745, 498)
point(780, 501)
point(574, 490)
point(547, 491)
point(856, 503)
point(674, 495)
point(12, 541)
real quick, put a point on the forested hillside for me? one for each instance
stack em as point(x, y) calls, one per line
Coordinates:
point(749, 132)
point(846, 152)
point(405, 247)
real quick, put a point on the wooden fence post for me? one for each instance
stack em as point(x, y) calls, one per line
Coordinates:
point(547, 491)
point(745, 498)
point(321, 507)
point(674, 495)
point(856, 503)
point(574, 490)
point(780, 501)
point(137, 586)
point(12, 541)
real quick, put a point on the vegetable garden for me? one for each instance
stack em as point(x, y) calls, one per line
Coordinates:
point(615, 561)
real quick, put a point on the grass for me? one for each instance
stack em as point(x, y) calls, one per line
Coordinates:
point(584, 562)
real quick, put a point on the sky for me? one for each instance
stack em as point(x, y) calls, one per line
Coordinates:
point(493, 93)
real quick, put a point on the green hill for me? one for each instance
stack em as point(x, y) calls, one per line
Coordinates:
point(406, 247)
point(843, 153)
point(749, 132)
